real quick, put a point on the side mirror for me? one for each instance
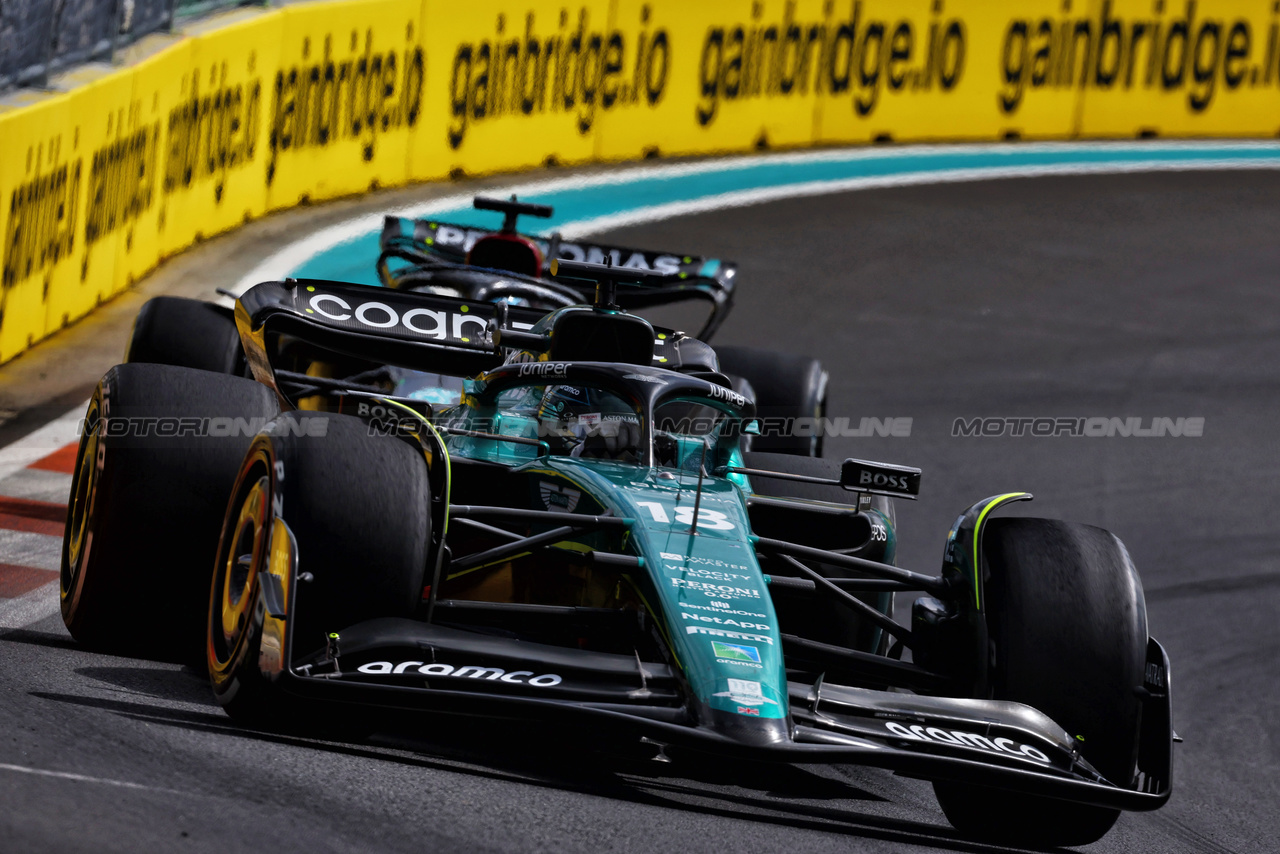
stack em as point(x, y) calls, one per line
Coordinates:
point(880, 478)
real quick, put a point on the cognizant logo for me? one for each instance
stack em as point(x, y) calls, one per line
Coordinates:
point(427, 322)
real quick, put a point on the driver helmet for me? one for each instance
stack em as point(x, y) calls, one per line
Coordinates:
point(592, 422)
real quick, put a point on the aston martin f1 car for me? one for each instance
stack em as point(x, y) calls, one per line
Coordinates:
point(582, 536)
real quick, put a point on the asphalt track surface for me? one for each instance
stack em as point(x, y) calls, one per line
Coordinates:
point(1121, 296)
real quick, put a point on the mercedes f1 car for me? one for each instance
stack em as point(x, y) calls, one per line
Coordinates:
point(584, 533)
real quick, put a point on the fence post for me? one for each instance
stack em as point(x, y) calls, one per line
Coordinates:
point(116, 35)
point(46, 58)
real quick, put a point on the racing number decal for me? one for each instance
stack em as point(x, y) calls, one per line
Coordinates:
point(711, 519)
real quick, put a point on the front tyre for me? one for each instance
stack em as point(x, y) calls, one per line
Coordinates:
point(1068, 627)
point(157, 459)
point(351, 511)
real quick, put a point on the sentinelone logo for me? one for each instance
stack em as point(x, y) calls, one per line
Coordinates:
point(1091, 427)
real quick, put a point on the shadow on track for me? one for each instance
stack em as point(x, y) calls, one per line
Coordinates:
point(34, 638)
point(513, 752)
point(185, 686)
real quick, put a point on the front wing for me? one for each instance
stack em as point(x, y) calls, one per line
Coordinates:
point(406, 664)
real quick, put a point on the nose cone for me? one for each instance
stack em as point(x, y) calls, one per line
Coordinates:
point(748, 729)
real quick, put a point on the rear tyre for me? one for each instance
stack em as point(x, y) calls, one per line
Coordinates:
point(357, 509)
point(1068, 629)
point(786, 387)
point(187, 333)
point(147, 498)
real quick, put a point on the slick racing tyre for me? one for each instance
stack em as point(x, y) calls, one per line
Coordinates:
point(157, 459)
point(786, 388)
point(351, 511)
point(188, 333)
point(1068, 629)
point(823, 619)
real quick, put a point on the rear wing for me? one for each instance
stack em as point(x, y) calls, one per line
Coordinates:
point(420, 331)
point(423, 244)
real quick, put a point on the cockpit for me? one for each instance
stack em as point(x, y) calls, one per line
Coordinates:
point(637, 416)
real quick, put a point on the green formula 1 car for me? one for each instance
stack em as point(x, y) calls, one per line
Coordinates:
point(584, 533)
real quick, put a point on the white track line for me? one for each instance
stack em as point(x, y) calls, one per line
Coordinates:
point(81, 778)
point(41, 442)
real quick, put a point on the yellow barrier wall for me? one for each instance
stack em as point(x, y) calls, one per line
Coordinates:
point(259, 110)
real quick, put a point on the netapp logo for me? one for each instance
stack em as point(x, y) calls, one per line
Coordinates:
point(427, 322)
point(382, 668)
point(966, 739)
point(738, 624)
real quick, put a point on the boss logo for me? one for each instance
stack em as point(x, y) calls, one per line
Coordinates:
point(890, 481)
point(880, 477)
